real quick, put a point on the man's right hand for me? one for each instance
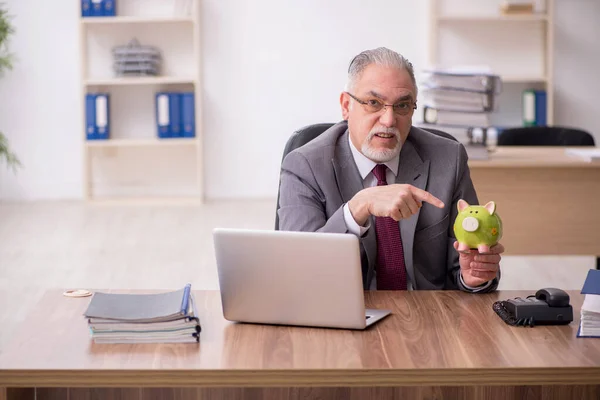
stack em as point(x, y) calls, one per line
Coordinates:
point(396, 201)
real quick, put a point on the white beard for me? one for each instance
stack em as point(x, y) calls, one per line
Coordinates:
point(382, 155)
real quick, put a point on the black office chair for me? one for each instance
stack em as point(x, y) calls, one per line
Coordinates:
point(298, 139)
point(544, 136)
point(310, 132)
point(440, 133)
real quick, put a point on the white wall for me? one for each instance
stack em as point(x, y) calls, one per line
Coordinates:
point(273, 66)
point(577, 65)
point(268, 69)
point(40, 102)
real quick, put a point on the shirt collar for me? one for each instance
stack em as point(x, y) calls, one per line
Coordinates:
point(366, 165)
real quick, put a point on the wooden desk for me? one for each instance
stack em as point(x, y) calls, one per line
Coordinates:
point(446, 344)
point(548, 201)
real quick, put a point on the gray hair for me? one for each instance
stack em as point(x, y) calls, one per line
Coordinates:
point(379, 56)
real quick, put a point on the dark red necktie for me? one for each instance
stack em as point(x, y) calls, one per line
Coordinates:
point(391, 270)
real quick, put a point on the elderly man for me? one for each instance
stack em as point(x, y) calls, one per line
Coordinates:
point(394, 186)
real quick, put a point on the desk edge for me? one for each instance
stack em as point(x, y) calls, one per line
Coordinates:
point(312, 377)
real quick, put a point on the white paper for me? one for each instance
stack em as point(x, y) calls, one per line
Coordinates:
point(591, 303)
point(589, 155)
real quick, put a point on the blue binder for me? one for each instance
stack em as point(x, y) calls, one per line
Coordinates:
point(540, 108)
point(591, 287)
point(90, 116)
point(108, 8)
point(97, 8)
point(592, 282)
point(163, 114)
point(86, 8)
point(102, 105)
point(188, 115)
point(175, 112)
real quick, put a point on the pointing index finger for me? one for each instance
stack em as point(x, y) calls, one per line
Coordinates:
point(427, 197)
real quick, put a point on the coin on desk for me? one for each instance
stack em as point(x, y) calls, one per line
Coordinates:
point(77, 293)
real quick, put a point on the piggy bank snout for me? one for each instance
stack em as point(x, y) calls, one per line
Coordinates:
point(470, 224)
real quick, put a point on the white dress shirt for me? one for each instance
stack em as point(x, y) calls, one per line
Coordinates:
point(365, 168)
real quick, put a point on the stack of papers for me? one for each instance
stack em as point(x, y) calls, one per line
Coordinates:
point(590, 310)
point(588, 155)
point(460, 96)
point(144, 318)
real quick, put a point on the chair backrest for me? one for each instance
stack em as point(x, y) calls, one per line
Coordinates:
point(440, 133)
point(545, 136)
point(303, 136)
point(310, 132)
point(298, 139)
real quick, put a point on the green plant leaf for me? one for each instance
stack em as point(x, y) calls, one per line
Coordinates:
point(9, 157)
point(6, 29)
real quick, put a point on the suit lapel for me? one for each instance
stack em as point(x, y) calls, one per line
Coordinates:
point(414, 171)
point(349, 182)
point(347, 177)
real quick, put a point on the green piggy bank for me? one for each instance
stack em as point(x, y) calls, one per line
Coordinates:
point(477, 227)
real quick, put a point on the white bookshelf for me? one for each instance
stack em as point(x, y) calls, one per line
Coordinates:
point(133, 165)
point(142, 142)
point(135, 20)
point(519, 48)
point(523, 79)
point(142, 80)
point(491, 18)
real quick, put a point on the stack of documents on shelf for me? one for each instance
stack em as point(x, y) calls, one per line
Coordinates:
point(144, 318)
point(135, 59)
point(589, 325)
point(589, 155)
point(460, 98)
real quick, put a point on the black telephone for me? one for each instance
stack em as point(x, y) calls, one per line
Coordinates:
point(549, 306)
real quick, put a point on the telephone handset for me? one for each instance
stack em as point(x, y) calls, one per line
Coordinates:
point(553, 297)
point(549, 306)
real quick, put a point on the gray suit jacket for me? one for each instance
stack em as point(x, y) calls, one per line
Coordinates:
point(318, 178)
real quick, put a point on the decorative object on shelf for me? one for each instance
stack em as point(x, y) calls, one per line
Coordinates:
point(6, 29)
point(175, 114)
point(511, 7)
point(137, 60)
point(98, 8)
point(97, 116)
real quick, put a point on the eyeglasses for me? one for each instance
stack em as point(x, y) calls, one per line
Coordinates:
point(374, 105)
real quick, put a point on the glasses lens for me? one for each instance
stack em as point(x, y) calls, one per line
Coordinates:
point(403, 108)
point(374, 105)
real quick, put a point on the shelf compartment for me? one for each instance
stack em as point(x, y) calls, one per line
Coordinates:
point(139, 80)
point(134, 20)
point(154, 142)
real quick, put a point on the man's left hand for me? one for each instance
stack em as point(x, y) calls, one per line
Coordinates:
point(477, 267)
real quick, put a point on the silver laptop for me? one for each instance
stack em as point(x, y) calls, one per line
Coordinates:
point(292, 278)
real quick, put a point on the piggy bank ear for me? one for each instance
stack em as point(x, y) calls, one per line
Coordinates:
point(462, 205)
point(491, 207)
